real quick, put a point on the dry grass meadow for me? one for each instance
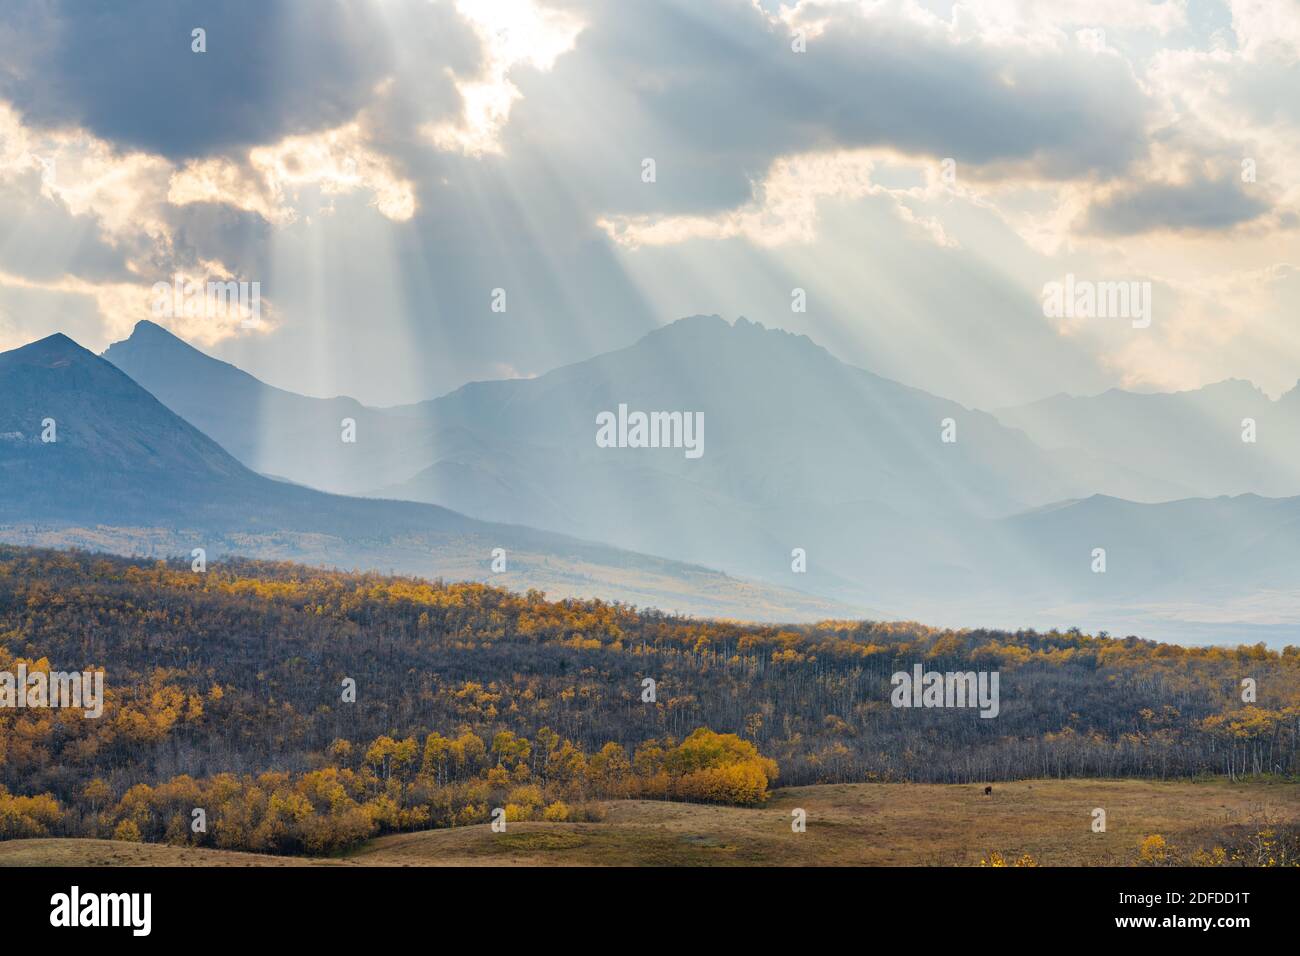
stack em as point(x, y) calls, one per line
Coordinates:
point(847, 825)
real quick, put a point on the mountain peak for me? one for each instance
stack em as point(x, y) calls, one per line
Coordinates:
point(151, 348)
point(714, 329)
point(58, 342)
point(148, 334)
point(1230, 386)
point(692, 324)
point(147, 328)
point(56, 349)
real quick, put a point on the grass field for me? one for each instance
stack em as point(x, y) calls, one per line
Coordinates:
point(851, 824)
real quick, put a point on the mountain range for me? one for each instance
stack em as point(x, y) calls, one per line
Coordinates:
point(89, 458)
point(1191, 440)
point(896, 499)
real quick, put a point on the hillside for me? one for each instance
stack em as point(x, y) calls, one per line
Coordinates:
point(309, 710)
point(847, 825)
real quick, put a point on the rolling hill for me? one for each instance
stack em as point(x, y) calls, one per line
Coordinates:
point(895, 824)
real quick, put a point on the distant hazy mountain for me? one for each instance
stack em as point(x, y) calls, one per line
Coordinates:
point(1192, 440)
point(800, 451)
point(125, 473)
point(268, 429)
point(785, 420)
point(1189, 549)
point(1218, 570)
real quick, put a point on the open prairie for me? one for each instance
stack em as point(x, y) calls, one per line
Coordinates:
point(847, 825)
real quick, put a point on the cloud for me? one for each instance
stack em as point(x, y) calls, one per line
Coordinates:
point(1200, 204)
point(125, 72)
point(121, 305)
point(512, 33)
point(269, 180)
point(721, 84)
point(1215, 327)
point(107, 214)
point(1266, 29)
point(399, 159)
point(10, 335)
point(88, 177)
point(784, 207)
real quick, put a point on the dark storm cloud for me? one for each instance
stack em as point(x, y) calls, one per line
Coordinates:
point(1200, 205)
point(714, 93)
point(44, 241)
point(241, 239)
point(125, 69)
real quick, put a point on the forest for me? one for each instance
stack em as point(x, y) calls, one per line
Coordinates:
point(304, 710)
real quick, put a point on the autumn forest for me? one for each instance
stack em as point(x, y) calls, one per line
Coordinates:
point(305, 710)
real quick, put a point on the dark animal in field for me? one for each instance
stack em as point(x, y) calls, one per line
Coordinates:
point(987, 791)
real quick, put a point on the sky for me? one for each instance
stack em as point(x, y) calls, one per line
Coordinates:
point(901, 181)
